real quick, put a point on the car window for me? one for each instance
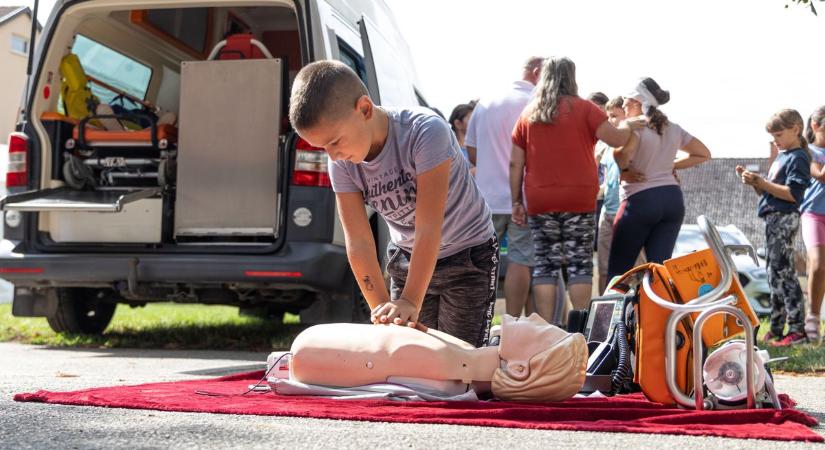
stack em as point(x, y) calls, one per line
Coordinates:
point(352, 59)
point(113, 68)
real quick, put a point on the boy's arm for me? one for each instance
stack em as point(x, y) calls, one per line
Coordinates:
point(430, 203)
point(431, 200)
point(361, 248)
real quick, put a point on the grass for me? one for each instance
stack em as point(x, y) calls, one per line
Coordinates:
point(163, 325)
point(804, 359)
point(176, 326)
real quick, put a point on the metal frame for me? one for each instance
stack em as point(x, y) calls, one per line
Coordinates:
point(708, 304)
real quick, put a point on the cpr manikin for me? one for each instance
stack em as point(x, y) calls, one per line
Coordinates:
point(535, 361)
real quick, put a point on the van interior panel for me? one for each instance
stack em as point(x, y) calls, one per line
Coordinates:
point(228, 160)
point(214, 169)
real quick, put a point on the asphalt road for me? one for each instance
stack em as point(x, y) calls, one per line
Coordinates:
point(25, 368)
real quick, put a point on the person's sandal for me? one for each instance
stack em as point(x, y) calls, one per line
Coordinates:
point(812, 329)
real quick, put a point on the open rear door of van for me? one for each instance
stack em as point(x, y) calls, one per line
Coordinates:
point(386, 71)
point(69, 199)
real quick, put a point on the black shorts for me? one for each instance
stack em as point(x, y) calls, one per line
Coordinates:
point(462, 292)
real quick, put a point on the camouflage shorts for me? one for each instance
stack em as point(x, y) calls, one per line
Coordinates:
point(563, 238)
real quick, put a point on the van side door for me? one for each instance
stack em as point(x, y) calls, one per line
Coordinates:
point(386, 70)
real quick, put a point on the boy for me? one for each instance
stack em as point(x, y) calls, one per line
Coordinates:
point(406, 165)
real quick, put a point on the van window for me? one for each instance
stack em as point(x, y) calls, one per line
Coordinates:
point(113, 68)
point(352, 59)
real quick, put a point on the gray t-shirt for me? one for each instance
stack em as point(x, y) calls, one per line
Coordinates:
point(654, 158)
point(418, 141)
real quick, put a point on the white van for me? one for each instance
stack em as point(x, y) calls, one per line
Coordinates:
point(154, 161)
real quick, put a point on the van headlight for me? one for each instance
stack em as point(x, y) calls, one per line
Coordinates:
point(13, 218)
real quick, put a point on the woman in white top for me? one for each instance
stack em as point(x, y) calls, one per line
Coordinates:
point(652, 210)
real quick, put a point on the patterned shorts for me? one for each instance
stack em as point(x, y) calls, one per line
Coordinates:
point(563, 238)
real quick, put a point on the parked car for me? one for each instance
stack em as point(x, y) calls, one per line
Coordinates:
point(227, 205)
point(753, 277)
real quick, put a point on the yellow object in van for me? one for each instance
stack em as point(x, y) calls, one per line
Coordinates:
point(78, 100)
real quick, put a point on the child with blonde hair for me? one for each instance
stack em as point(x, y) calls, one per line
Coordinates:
point(782, 193)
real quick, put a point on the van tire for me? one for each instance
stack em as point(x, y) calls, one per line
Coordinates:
point(78, 312)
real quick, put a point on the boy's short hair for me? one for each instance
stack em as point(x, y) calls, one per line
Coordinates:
point(323, 90)
point(615, 103)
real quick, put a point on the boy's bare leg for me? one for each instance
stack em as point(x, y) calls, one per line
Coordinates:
point(580, 294)
point(545, 295)
point(517, 288)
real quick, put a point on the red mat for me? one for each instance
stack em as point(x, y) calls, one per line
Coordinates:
point(625, 413)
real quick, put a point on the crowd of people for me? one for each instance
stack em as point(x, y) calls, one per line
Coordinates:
point(564, 175)
point(531, 163)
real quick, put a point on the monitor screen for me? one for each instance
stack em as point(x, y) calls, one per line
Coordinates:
point(598, 320)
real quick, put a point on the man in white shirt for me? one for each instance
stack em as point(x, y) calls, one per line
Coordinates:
point(489, 145)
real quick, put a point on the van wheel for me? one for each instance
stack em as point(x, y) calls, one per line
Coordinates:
point(78, 312)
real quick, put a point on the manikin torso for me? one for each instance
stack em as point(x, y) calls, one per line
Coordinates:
point(349, 355)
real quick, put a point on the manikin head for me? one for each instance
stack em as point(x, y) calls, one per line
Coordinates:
point(540, 362)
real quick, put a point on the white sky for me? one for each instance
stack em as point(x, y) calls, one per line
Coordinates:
point(728, 64)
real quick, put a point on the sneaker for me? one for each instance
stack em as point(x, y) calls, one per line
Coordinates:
point(770, 337)
point(812, 328)
point(793, 338)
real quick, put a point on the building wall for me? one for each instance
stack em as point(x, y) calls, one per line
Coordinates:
point(13, 75)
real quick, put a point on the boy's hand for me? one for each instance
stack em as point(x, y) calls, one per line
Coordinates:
point(399, 312)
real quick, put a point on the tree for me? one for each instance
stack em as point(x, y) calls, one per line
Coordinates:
point(810, 3)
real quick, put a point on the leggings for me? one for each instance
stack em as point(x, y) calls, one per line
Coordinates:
point(649, 220)
point(787, 303)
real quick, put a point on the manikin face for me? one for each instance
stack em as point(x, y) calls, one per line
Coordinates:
point(786, 139)
point(348, 138)
point(615, 116)
point(632, 107)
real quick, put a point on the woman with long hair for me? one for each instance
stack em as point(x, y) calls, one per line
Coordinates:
point(554, 166)
point(651, 211)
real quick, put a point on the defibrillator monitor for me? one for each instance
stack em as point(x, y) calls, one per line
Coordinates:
point(600, 318)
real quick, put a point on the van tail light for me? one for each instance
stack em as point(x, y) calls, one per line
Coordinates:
point(310, 165)
point(18, 149)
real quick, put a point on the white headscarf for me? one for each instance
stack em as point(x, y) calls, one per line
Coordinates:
point(643, 95)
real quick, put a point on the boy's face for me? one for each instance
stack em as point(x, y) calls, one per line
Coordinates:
point(615, 116)
point(347, 138)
